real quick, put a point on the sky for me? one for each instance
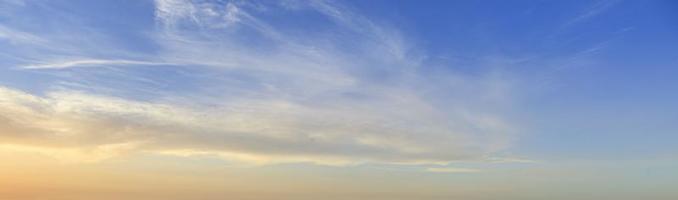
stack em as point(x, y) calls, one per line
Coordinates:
point(345, 100)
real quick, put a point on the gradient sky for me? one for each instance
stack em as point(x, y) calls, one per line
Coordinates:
point(374, 100)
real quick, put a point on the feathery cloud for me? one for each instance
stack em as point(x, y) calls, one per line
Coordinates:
point(262, 93)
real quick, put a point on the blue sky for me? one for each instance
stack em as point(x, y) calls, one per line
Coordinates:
point(490, 88)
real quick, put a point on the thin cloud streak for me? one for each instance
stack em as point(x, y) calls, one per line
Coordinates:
point(452, 170)
point(594, 10)
point(90, 63)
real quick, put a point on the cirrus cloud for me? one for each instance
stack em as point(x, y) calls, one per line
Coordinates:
point(261, 92)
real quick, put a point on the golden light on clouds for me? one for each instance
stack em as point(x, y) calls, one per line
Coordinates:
point(72, 125)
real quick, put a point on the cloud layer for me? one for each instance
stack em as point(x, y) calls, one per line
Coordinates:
point(258, 90)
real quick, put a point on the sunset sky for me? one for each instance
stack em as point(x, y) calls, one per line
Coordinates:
point(338, 100)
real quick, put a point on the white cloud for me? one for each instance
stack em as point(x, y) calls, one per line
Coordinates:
point(270, 95)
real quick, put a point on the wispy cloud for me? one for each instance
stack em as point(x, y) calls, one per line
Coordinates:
point(264, 94)
point(452, 170)
point(90, 63)
point(19, 37)
point(594, 10)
